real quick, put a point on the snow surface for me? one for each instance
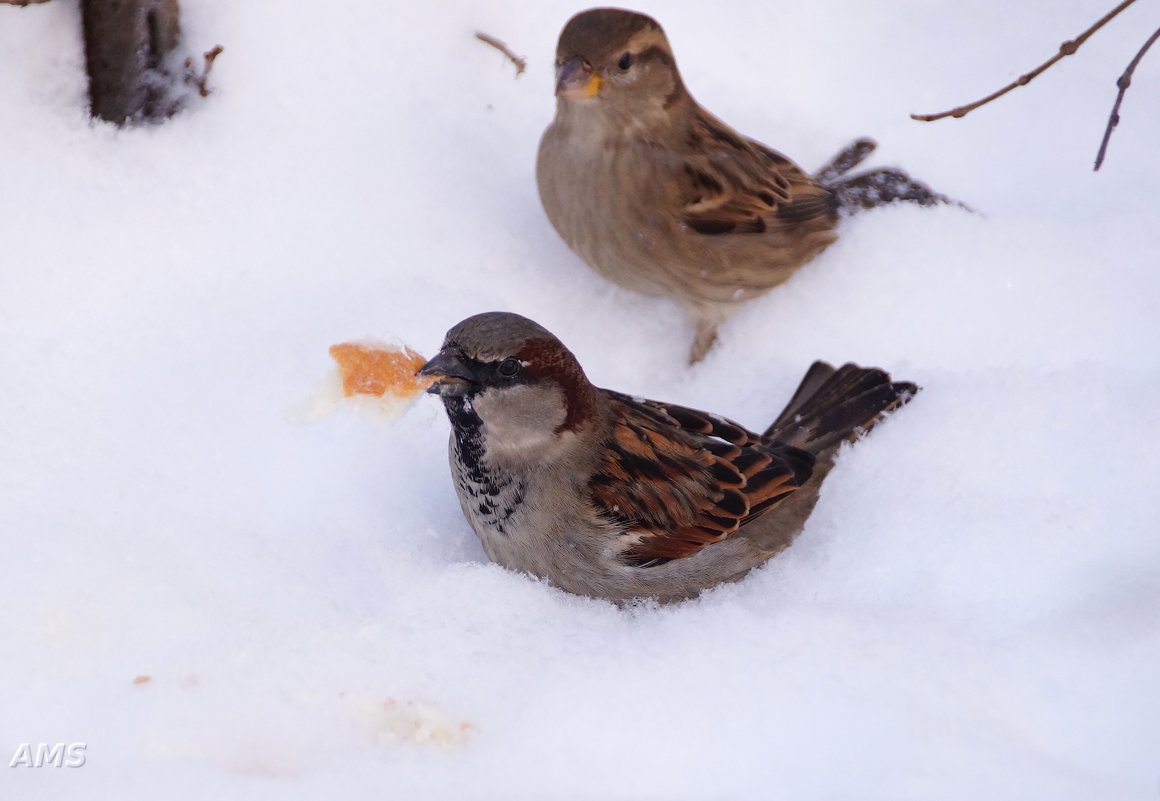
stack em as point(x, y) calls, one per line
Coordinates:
point(971, 613)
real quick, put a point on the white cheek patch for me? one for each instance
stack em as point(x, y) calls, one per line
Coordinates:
point(514, 441)
point(521, 418)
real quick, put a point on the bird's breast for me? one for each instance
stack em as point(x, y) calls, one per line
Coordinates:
point(607, 201)
point(490, 496)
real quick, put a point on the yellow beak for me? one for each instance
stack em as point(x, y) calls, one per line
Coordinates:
point(575, 80)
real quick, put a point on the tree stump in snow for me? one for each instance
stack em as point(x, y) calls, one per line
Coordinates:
point(126, 44)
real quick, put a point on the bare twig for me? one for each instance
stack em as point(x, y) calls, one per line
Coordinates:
point(1122, 83)
point(520, 62)
point(199, 81)
point(1065, 49)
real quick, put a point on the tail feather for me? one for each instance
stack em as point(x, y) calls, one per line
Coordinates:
point(885, 185)
point(873, 188)
point(832, 405)
point(815, 377)
point(847, 159)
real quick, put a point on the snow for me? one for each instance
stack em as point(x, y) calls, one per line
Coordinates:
point(972, 611)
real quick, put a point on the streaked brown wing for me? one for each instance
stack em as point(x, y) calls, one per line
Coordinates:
point(734, 185)
point(679, 479)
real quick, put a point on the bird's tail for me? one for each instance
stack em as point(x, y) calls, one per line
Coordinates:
point(847, 159)
point(873, 188)
point(832, 405)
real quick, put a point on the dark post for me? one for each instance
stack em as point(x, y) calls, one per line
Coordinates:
point(126, 42)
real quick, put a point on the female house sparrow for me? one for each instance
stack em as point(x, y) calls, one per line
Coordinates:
point(659, 196)
point(616, 497)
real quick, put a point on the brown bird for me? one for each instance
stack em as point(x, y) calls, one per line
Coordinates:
point(658, 195)
point(617, 497)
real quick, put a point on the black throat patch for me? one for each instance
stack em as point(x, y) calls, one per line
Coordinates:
point(493, 495)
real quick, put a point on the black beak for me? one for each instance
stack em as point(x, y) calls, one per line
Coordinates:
point(451, 373)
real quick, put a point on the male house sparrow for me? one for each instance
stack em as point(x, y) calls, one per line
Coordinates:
point(659, 196)
point(616, 497)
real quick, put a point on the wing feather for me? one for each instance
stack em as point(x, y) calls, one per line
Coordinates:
point(677, 479)
point(734, 185)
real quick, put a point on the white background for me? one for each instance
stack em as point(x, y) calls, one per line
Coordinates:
point(972, 611)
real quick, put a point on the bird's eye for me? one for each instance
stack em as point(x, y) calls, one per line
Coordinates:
point(509, 367)
point(625, 61)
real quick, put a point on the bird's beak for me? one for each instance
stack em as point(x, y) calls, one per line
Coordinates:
point(451, 373)
point(575, 80)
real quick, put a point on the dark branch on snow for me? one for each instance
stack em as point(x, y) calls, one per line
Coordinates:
point(1123, 83)
point(1065, 49)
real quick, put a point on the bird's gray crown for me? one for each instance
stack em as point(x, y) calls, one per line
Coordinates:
point(495, 335)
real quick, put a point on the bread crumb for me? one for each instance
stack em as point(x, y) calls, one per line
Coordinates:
point(368, 370)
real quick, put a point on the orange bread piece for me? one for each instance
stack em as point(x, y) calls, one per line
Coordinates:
point(375, 371)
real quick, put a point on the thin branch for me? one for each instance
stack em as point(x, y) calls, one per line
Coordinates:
point(1123, 83)
point(520, 62)
point(199, 81)
point(1065, 49)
